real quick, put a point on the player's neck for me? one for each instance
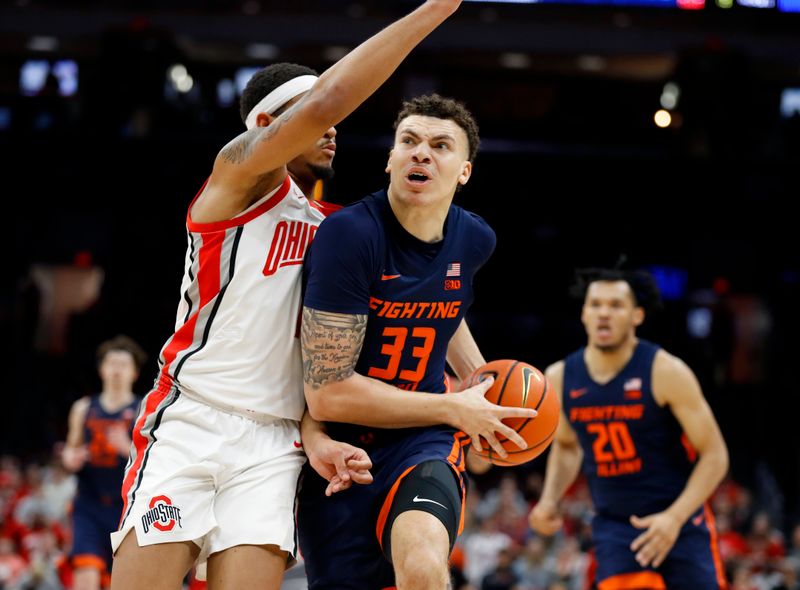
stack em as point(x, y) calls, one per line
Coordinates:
point(424, 222)
point(114, 398)
point(604, 364)
point(304, 184)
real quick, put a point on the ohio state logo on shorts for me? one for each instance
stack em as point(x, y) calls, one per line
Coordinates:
point(162, 515)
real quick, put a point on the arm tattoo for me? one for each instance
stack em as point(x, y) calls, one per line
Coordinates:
point(238, 150)
point(331, 345)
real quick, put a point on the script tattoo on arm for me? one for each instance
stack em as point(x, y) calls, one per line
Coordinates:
point(238, 150)
point(331, 344)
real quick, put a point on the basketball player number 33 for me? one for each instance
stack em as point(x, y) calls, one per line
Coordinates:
point(422, 340)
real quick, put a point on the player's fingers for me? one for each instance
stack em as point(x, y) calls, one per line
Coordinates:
point(517, 413)
point(484, 385)
point(495, 444)
point(512, 435)
point(640, 541)
point(362, 477)
point(359, 464)
point(640, 523)
point(476, 441)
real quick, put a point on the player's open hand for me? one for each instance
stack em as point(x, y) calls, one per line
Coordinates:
point(479, 417)
point(73, 458)
point(654, 544)
point(545, 518)
point(118, 437)
point(340, 464)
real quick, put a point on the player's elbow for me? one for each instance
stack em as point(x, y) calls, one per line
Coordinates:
point(322, 404)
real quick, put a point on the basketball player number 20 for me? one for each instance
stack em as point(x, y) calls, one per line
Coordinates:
point(423, 339)
point(614, 436)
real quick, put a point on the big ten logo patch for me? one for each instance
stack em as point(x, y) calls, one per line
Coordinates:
point(162, 516)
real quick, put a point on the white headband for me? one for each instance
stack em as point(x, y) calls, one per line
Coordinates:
point(279, 97)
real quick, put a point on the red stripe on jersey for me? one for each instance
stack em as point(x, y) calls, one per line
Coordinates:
point(208, 283)
point(324, 207)
point(140, 444)
point(241, 219)
point(208, 278)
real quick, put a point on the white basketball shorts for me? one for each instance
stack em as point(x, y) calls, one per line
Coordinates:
point(199, 474)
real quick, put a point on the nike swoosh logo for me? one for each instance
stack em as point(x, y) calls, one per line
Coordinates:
point(575, 393)
point(389, 277)
point(418, 499)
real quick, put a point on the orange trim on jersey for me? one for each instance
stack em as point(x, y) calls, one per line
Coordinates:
point(691, 452)
point(87, 560)
point(282, 191)
point(636, 581)
point(719, 568)
point(463, 500)
point(140, 444)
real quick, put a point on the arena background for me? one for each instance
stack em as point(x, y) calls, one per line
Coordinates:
point(573, 172)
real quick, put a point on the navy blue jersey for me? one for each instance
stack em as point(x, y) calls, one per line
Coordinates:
point(362, 261)
point(100, 479)
point(636, 457)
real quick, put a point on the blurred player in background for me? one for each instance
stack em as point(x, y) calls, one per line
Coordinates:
point(216, 449)
point(98, 441)
point(389, 281)
point(635, 417)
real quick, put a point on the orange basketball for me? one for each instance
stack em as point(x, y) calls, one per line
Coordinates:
point(518, 384)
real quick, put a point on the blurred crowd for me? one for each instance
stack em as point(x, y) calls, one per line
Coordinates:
point(497, 551)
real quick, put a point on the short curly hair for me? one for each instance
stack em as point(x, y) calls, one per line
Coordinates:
point(266, 80)
point(440, 107)
point(643, 285)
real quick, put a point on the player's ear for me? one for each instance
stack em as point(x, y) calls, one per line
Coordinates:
point(638, 316)
point(264, 119)
point(466, 172)
point(389, 162)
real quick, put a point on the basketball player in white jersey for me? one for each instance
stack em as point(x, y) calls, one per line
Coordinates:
point(216, 449)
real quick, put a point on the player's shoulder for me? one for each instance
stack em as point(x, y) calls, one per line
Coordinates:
point(665, 363)
point(475, 231)
point(361, 215)
point(672, 377)
point(555, 374)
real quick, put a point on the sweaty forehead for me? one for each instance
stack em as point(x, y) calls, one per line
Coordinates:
point(429, 127)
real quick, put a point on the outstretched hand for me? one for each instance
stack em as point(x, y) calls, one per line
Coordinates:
point(340, 464)
point(478, 417)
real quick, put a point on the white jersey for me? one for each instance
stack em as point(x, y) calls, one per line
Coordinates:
point(236, 342)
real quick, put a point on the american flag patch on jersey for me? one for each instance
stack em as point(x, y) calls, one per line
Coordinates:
point(453, 269)
point(632, 384)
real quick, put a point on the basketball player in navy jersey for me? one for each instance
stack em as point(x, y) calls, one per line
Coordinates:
point(98, 440)
point(634, 417)
point(230, 377)
point(389, 280)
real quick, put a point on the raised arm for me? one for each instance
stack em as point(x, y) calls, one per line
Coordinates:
point(331, 343)
point(563, 465)
point(251, 161)
point(675, 386)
